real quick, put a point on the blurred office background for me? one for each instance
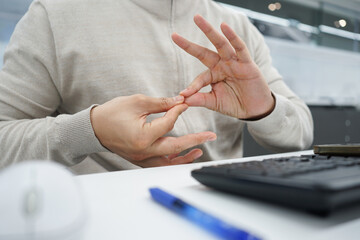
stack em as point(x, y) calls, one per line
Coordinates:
point(315, 44)
point(10, 13)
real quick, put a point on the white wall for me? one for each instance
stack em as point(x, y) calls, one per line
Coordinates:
point(319, 75)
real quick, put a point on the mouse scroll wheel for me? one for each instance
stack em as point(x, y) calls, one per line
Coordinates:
point(31, 204)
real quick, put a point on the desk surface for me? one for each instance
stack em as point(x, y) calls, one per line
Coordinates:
point(120, 207)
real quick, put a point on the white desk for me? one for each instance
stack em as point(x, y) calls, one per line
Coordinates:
point(120, 207)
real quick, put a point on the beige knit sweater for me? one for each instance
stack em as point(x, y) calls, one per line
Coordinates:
point(66, 55)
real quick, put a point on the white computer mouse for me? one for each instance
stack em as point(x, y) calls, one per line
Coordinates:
point(40, 200)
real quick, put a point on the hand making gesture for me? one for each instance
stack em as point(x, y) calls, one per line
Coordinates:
point(238, 87)
point(121, 126)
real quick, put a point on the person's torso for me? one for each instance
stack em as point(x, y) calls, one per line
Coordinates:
point(109, 48)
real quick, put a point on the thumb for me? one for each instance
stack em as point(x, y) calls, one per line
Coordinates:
point(158, 105)
point(207, 100)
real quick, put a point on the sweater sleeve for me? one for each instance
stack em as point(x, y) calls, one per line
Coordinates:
point(290, 126)
point(29, 99)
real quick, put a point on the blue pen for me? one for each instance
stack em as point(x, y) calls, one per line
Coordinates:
point(205, 220)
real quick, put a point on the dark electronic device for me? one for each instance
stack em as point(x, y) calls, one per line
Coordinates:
point(317, 183)
point(338, 149)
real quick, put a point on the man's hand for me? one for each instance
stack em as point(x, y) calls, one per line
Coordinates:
point(120, 125)
point(238, 87)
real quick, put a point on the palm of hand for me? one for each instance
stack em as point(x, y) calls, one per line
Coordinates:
point(231, 84)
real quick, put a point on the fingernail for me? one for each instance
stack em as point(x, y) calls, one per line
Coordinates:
point(212, 138)
point(179, 99)
point(185, 91)
point(198, 154)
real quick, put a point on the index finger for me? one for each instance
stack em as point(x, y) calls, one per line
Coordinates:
point(161, 126)
point(206, 56)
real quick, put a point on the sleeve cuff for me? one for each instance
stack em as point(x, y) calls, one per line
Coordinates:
point(76, 135)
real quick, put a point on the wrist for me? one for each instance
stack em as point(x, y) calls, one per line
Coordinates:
point(266, 113)
point(93, 121)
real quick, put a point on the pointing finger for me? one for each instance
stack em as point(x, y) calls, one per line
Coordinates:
point(161, 126)
point(207, 57)
point(207, 100)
